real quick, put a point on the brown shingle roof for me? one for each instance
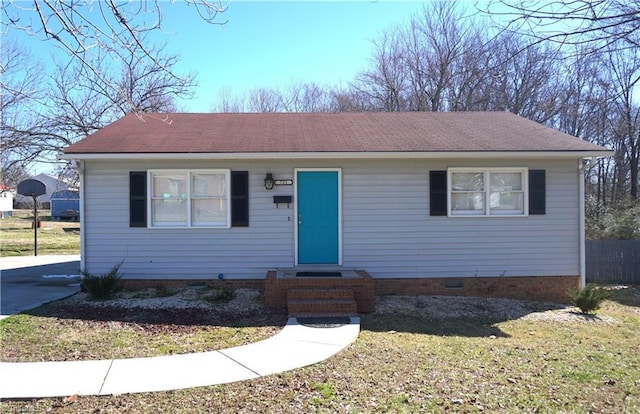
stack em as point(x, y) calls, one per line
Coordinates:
point(327, 132)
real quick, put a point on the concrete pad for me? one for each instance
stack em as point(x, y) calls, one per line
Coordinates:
point(340, 335)
point(173, 372)
point(23, 298)
point(52, 379)
point(17, 262)
point(23, 285)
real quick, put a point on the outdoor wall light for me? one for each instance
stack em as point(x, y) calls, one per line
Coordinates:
point(269, 182)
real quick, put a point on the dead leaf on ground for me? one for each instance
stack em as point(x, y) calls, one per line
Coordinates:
point(70, 399)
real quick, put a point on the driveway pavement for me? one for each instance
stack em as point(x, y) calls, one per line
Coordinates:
point(30, 281)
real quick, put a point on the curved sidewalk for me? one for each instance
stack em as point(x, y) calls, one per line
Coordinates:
point(295, 346)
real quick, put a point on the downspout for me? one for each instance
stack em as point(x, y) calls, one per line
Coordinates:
point(582, 166)
point(80, 168)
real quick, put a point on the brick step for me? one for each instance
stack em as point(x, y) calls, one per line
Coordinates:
point(320, 293)
point(325, 307)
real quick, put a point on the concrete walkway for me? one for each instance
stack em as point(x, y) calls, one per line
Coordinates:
point(295, 346)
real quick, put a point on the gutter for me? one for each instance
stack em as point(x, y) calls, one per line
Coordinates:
point(334, 155)
point(582, 167)
point(589, 164)
point(80, 165)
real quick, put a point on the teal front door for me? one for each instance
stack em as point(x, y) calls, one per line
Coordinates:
point(318, 217)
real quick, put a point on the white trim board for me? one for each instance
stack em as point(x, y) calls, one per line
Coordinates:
point(341, 155)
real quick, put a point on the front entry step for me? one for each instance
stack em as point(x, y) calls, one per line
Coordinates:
point(321, 302)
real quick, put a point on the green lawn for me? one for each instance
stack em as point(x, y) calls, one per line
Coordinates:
point(400, 363)
point(54, 237)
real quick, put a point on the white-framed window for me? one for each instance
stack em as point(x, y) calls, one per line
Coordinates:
point(189, 198)
point(488, 191)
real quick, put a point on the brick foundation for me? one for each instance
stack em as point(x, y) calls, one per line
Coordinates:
point(220, 284)
point(537, 288)
point(365, 288)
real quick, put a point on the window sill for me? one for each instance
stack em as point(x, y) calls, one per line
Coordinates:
point(188, 227)
point(487, 216)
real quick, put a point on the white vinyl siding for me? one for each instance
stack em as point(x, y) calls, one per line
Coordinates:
point(387, 229)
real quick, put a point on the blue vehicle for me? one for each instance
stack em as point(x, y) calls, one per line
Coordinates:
point(65, 205)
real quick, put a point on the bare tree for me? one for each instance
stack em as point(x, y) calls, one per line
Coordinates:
point(228, 102)
point(471, 86)
point(595, 24)
point(526, 79)
point(265, 100)
point(112, 70)
point(151, 87)
point(434, 43)
point(385, 82)
point(297, 97)
point(85, 29)
point(12, 175)
point(21, 125)
point(35, 125)
point(624, 75)
point(305, 97)
point(349, 99)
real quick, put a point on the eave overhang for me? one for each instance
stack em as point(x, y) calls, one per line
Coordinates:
point(337, 155)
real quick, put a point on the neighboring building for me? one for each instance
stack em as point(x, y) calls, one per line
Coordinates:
point(475, 203)
point(65, 205)
point(52, 185)
point(7, 195)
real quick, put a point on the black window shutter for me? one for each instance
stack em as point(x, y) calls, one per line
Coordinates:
point(438, 193)
point(537, 192)
point(240, 198)
point(138, 199)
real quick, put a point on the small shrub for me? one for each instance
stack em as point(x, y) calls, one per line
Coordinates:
point(589, 298)
point(219, 295)
point(102, 286)
point(163, 291)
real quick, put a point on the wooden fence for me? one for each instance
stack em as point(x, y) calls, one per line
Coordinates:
point(613, 261)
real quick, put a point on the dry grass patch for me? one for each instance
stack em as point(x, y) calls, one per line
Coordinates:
point(487, 356)
point(54, 237)
point(136, 324)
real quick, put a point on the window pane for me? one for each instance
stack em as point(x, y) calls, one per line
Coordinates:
point(209, 211)
point(208, 185)
point(467, 181)
point(511, 181)
point(169, 212)
point(469, 203)
point(169, 185)
point(507, 202)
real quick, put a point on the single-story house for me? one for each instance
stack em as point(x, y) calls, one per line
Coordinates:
point(473, 203)
point(6, 201)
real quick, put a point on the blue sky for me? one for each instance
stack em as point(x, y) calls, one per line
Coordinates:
point(262, 44)
point(272, 44)
point(265, 43)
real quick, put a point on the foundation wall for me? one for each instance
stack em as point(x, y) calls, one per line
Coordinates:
point(536, 288)
point(220, 284)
